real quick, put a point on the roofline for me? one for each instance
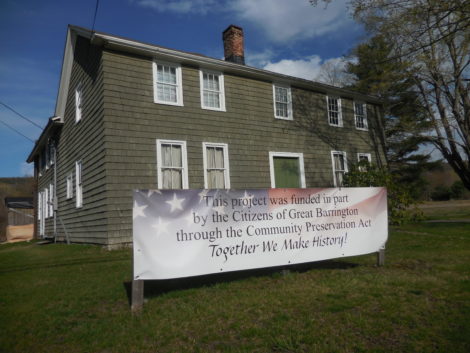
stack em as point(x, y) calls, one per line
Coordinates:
point(137, 47)
point(52, 125)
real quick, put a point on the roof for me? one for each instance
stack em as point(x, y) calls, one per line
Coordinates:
point(137, 47)
point(53, 124)
point(19, 202)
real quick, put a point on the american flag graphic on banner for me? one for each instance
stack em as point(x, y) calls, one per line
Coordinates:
point(181, 233)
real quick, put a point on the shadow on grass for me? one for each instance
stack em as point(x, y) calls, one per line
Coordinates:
point(153, 288)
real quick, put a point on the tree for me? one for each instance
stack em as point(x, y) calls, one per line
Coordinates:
point(431, 38)
point(405, 117)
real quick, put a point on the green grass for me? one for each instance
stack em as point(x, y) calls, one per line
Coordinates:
point(59, 298)
point(446, 210)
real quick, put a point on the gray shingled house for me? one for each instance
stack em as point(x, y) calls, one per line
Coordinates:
point(131, 115)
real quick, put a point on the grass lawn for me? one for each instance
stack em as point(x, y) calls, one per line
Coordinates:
point(59, 298)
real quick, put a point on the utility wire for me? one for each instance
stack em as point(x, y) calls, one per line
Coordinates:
point(21, 116)
point(94, 16)
point(11, 127)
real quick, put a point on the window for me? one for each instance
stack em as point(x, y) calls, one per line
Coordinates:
point(78, 184)
point(287, 170)
point(364, 160)
point(282, 102)
point(41, 213)
point(45, 202)
point(216, 166)
point(51, 200)
point(212, 90)
point(334, 111)
point(69, 190)
point(172, 164)
point(360, 115)
point(167, 83)
point(340, 167)
point(78, 103)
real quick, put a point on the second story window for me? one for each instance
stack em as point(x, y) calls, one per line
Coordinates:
point(78, 103)
point(282, 102)
point(360, 116)
point(167, 83)
point(212, 90)
point(335, 117)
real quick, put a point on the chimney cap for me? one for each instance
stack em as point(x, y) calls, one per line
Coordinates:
point(230, 27)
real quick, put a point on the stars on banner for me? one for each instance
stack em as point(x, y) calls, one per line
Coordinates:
point(175, 203)
point(138, 211)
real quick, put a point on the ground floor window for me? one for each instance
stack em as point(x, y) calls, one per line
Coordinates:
point(364, 160)
point(340, 167)
point(172, 164)
point(216, 166)
point(287, 170)
point(78, 184)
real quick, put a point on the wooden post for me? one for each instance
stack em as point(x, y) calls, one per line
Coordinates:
point(137, 295)
point(381, 257)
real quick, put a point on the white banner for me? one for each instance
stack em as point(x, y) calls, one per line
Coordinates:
point(181, 233)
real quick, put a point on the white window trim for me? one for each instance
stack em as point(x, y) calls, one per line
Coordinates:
point(290, 114)
point(79, 186)
point(78, 103)
point(369, 158)
point(364, 107)
point(368, 155)
point(41, 211)
point(299, 156)
point(221, 86)
point(224, 146)
point(179, 83)
point(184, 159)
point(46, 203)
point(340, 111)
point(69, 186)
point(51, 200)
point(333, 164)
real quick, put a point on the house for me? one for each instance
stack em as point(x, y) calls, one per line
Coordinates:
point(131, 115)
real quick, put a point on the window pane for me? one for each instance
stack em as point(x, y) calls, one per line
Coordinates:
point(286, 172)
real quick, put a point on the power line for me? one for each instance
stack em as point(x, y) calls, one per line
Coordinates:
point(11, 127)
point(21, 116)
point(94, 16)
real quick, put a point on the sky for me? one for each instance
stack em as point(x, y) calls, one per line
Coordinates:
point(287, 36)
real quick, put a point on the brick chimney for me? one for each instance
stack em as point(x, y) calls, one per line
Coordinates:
point(233, 44)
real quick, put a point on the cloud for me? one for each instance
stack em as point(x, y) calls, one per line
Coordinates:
point(280, 20)
point(283, 21)
point(180, 6)
point(330, 71)
point(307, 68)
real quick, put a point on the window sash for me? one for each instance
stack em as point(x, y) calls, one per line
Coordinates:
point(78, 103)
point(334, 111)
point(216, 166)
point(78, 184)
point(340, 167)
point(69, 186)
point(360, 115)
point(212, 90)
point(171, 164)
point(167, 83)
point(282, 102)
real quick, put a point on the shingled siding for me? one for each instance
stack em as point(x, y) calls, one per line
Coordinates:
point(83, 141)
point(133, 122)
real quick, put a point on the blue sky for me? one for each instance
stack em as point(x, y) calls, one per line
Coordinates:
point(288, 36)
